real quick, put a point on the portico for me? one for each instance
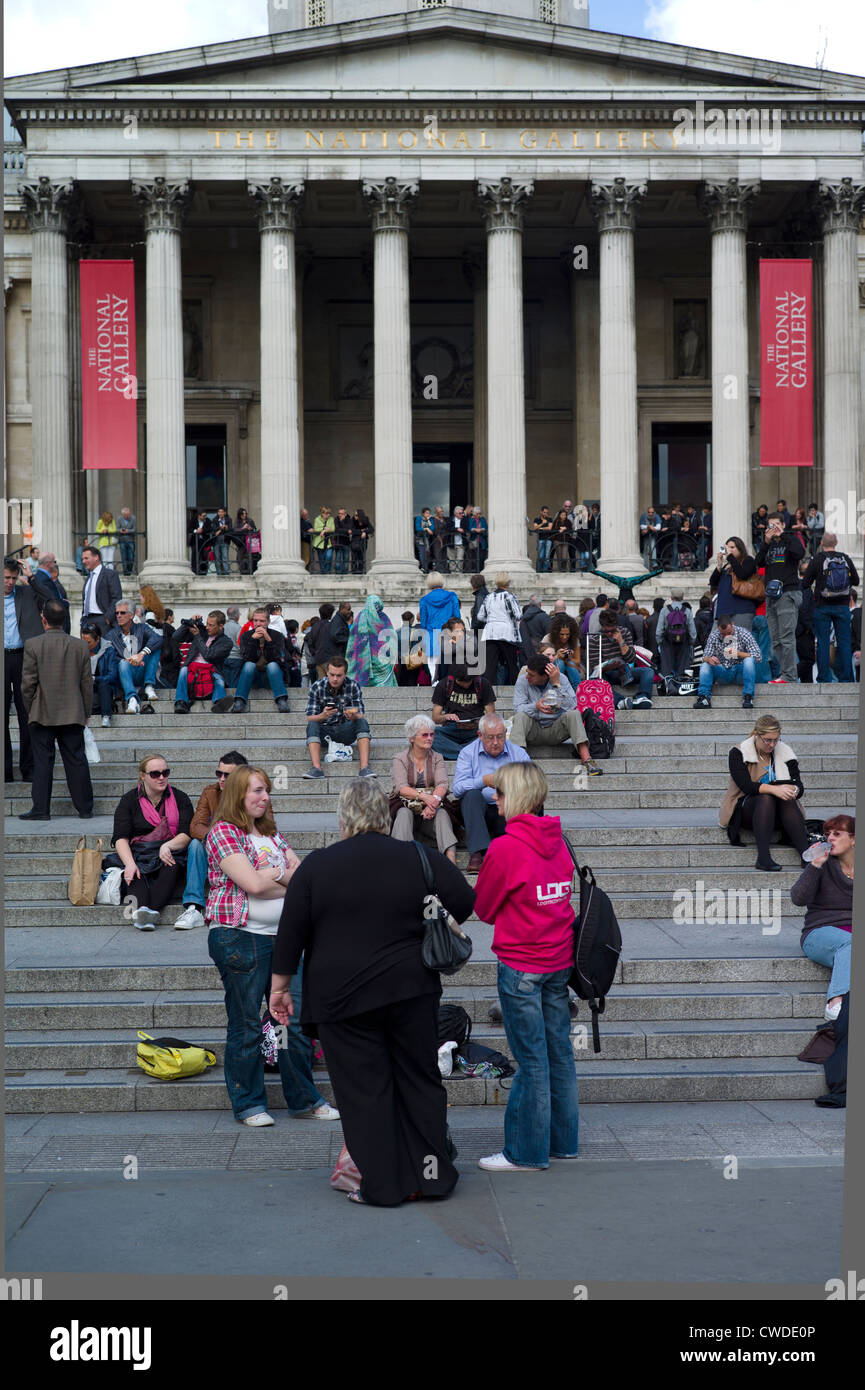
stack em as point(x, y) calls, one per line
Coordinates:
point(332, 280)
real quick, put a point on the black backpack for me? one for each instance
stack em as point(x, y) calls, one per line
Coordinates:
point(454, 1024)
point(602, 740)
point(597, 946)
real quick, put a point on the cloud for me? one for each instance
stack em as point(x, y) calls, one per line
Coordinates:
point(785, 31)
point(44, 34)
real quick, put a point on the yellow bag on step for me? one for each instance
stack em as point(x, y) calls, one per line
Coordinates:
point(168, 1059)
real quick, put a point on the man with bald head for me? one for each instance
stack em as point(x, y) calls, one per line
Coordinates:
point(46, 586)
point(476, 767)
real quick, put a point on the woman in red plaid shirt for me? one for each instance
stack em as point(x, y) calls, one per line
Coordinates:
point(248, 866)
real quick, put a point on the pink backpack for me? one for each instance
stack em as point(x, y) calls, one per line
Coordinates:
point(596, 694)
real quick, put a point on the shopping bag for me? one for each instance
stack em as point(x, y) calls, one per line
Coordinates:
point(91, 752)
point(345, 1176)
point(85, 875)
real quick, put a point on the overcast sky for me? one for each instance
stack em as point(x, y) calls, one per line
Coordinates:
point(42, 34)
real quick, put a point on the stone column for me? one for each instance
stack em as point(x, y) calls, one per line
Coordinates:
point(48, 206)
point(614, 206)
point(163, 205)
point(841, 208)
point(475, 271)
point(389, 204)
point(502, 204)
point(726, 206)
point(278, 204)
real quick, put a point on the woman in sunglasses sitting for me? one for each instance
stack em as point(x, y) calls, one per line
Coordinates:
point(151, 833)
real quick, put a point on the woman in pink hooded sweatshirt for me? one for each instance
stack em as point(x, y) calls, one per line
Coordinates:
point(524, 887)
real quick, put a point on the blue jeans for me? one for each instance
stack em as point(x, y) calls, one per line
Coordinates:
point(760, 633)
point(196, 874)
point(744, 673)
point(182, 691)
point(342, 555)
point(132, 676)
point(545, 546)
point(251, 676)
point(220, 555)
point(340, 730)
point(826, 617)
point(450, 743)
point(127, 555)
point(243, 961)
point(643, 675)
point(542, 1119)
point(571, 672)
point(831, 946)
point(325, 560)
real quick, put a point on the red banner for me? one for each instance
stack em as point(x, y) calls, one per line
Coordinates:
point(109, 387)
point(786, 365)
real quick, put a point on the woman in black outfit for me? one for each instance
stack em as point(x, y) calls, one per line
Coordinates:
point(368, 997)
point(764, 792)
point(361, 530)
point(247, 562)
point(151, 833)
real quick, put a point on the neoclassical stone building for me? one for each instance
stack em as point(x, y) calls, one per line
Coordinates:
point(399, 252)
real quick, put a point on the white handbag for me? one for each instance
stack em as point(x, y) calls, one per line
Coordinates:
point(108, 891)
point(337, 752)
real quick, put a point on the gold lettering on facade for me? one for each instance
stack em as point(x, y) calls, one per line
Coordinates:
point(240, 136)
point(462, 141)
point(649, 138)
point(533, 139)
point(576, 138)
point(363, 134)
point(554, 138)
point(439, 139)
point(312, 138)
point(399, 139)
point(598, 145)
point(410, 139)
point(623, 139)
point(484, 145)
point(216, 134)
point(339, 140)
point(270, 140)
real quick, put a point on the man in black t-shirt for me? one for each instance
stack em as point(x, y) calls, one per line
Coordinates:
point(459, 701)
point(779, 556)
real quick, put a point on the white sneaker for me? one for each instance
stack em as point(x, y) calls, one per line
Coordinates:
point(150, 692)
point(497, 1163)
point(106, 721)
point(132, 706)
point(192, 916)
point(145, 918)
point(258, 1121)
point(325, 1112)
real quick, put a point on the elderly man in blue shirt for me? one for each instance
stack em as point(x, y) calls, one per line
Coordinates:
point(475, 770)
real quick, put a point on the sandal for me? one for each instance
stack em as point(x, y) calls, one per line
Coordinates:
point(356, 1197)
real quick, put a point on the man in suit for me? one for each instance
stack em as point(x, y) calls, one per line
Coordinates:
point(20, 622)
point(57, 688)
point(46, 585)
point(101, 591)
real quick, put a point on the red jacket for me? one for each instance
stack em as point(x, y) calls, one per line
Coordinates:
point(524, 887)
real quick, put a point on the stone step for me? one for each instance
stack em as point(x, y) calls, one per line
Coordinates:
point(320, 803)
point(622, 878)
point(81, 978)
point(709, 1079)
point(73, 1050)
point(205, 1008)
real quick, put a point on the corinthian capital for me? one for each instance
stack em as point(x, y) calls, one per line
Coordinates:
point(840, 205)
point(162, 203)
point(278, 204)
point(503, 203)
point(614, 205)
point(726, 204)
point(389, 203)
point(48, 205)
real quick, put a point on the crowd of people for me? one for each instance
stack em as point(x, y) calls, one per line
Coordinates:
point(366, 996)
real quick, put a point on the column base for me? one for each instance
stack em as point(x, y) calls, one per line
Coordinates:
point(521, 571)
point(276, 570)
point(177, 573)
point(393, 571)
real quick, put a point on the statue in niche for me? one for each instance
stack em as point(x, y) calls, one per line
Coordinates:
point(360, 388)
point(689, 360)
point(192, 340)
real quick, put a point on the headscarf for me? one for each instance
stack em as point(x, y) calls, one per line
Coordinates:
point(368, 663)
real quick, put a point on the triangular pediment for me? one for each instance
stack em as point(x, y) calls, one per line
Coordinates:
point(461, 54)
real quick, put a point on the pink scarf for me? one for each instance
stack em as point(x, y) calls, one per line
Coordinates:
point(164, 822)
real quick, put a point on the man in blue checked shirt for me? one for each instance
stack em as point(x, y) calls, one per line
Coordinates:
point(335, 710)
point(729, 656)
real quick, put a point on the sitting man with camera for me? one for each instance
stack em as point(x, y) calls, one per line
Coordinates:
point(335, 710)
point(729, 657)
point(201, 673)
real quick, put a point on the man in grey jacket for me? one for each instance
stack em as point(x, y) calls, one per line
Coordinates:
point(676, 639)
point(545, 712)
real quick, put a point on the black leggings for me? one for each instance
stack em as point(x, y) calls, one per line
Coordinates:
point(153, 890)
point(763, 814)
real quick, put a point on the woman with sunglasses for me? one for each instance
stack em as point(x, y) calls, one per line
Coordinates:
point(764, 793)
point(248, 865)
point(151, 833)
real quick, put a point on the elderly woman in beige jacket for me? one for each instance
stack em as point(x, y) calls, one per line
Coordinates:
point(419, 775)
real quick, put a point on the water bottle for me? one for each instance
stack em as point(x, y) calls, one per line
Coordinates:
point(814, 851)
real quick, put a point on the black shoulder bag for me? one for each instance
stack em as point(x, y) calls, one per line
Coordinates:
point(445, 948)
